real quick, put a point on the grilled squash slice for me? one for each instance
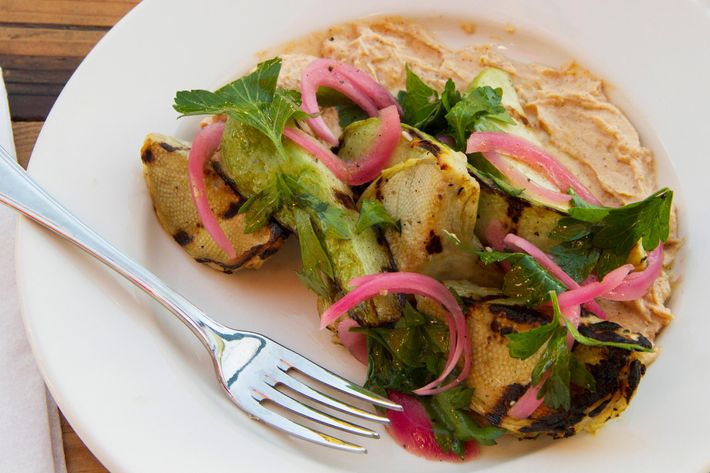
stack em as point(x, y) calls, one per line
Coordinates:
point(165, 170)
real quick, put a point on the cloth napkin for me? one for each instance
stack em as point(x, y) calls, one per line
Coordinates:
point(30, 433)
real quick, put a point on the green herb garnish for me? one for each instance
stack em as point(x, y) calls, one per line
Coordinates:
point(411, 354)
point(452, 422)
point(556, 359)
point(452, 113)
point(253, 99)
point(407, 355)
point(479, 110)
point(423, 108)
point(285, 190)
point(372, 213)
point(527, 282)
point(600, 238)
point(348, 111)
point(317, 273)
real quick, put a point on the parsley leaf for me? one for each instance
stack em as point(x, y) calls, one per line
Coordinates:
point(585, 212)
point(604, 236)
point(452, 113)
point(555, 361)
point(260, 207)
point(372, 213)
point(647, 220)
point(317, 273)
point(408, 355)
point(252, 99)
point(423, 108)
point(285, 190)
point(557, 366)
point(576, 257)
point(348, 111)
point(333, 220)
point(523, 345)
point(452, 421)
point(526, 281)
point(478, 110)
point(569, 229)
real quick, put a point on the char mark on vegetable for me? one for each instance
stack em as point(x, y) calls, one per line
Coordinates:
point(277, 238)
point(378, 190)
point(519, 315)
point(183, 238)
point(344, 199)
point(147, 156)
point(168, 147)
point(636, 371)
point(427, 145)
point(600, 408)
point(497, 327)
point(611, 374)
point(217, 167)
point(511, 394)
point(232, 210)
point(515, 208)
point(606, 331)
point(433, 245)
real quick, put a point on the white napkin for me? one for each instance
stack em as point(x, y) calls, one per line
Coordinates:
point(30, 434)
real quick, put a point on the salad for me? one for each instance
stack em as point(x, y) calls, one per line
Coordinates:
point(483, 234)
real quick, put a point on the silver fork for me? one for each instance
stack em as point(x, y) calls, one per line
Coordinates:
point(249, 366)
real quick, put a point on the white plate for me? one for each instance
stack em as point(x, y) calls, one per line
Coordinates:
point(140, 391)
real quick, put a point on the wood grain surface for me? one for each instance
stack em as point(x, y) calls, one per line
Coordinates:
point(41, 44)
point(43, 41)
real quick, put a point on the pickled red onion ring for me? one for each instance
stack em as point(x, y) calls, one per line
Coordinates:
point(592, 290)
point(349, 81)
point(528, 402)
point(636, 284)
point(205, 144)
point(523, 150)
point(519, 180)
point(379, 95)
point(370, 286)
point(320, 152)
point(367, 167)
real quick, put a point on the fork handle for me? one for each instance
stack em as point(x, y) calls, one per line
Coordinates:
point(19, 191)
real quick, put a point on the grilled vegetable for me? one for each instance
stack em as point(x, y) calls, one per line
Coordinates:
point(251, 162)
point(165, 170)
point(428, 190)
point(498, 380)
point(500, 213)
point(521, 214)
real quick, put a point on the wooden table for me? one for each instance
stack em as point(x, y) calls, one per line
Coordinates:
point(41, 43)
